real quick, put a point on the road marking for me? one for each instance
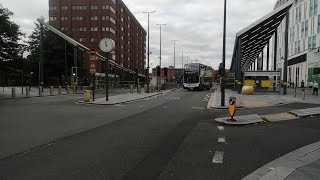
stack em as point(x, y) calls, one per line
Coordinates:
point(221, 139)
point(218, 157)
point(221, 128)
point(165, 107)
point(198, 108)
point(140, 106)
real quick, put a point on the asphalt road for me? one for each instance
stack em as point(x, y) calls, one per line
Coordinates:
point(171, 136)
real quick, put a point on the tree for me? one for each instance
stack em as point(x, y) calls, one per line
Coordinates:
point(10, 49)
point(54, 54)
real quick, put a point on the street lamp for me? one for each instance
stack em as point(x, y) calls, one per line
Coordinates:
point(223, 56)
point(174, 58)
point(160, 50)
point(148, 78)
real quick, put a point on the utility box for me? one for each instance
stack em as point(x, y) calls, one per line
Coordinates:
point(86, 96)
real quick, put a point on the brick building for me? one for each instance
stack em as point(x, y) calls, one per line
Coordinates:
point(168, 73)
point(88, 21)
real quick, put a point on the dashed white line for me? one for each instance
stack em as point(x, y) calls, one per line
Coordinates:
point(221, 128)
point(165, 107)
point(218, 157)
point(221, 139)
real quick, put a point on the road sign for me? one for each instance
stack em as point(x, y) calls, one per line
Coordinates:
point(92, 66)
point(93, 52)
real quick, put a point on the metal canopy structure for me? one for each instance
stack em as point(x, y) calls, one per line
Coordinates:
point(251, 41)
point(84, 48)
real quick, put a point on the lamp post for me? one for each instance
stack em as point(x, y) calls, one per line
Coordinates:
point(148, 78)
point(223, 56)
point(174, 58)
point(160, 52)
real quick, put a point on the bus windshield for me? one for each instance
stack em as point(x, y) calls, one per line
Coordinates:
point(191, 78)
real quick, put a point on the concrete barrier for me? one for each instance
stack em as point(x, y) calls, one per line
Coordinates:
point(51, 90)
point(14, 93)
point(59, 90)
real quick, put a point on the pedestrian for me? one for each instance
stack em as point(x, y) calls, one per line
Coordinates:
point(302, 84)
point(315, 88)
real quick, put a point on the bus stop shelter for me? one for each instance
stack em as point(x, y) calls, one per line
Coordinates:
point(251, 41)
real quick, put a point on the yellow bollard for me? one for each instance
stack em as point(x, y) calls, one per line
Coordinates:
point(86, 96)
point(232, 107)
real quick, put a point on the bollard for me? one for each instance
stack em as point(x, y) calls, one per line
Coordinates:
point(40, 90)
point(51, 90)
point(295, 92)
point(131, 89)
point(68, 89)
point(139, 89)
point(303, 94)
point(27, 92)
point(145, 89)
point(232, 107)
point(74, 89)
point(59, 90)
point(13, 93)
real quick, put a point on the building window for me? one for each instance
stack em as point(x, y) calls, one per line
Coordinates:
point(94, 7)
point(302, 30)
point(79, 7)
point(64, 8)
point(313, 7)
point(52, 8)
point(52, 18)
point(318, 23)
point(83, 29)
point(64, 18)
point(105, 29)
point(121, 19)
point(105, 7)
point(112, 10)
point(93, 39)
point(77, 18)
point(121, 37)
point(114, 1)
point(306, 29)
point(94, 28)
point(112, 31)
point(112, 20)
point(314, 42)
point(105, 18)
point(82, 39)
point(64, 28)
point(94, 18)
point(121, 9)
point(309, 42)
point(121, 28)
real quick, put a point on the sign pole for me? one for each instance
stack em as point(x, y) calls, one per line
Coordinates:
point(93, 85)
point(106, 76)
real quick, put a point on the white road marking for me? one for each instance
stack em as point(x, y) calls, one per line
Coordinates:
point(221, 139)
point(218, 157)
point(198, 108)
point(140, 106)
point(221, 128)
point(165, 107)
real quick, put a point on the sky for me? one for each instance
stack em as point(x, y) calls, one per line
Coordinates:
point(196, 24)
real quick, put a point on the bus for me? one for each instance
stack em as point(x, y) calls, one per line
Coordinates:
point(197, 77)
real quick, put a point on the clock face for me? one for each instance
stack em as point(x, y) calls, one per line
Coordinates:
point(106, 45)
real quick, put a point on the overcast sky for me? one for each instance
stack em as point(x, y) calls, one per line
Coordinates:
point(197, 24)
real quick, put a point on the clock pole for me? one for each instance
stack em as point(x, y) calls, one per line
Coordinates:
point(106, 76)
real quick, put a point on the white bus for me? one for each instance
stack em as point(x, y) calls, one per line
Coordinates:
point(197, 77)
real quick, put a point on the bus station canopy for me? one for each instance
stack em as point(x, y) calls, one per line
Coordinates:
point(250, 41)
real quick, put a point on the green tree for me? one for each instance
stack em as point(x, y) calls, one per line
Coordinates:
point(10, 49)
point(54, 54)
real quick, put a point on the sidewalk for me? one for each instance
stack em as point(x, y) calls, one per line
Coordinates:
point(303, 163)
point(6, 92)
point(124, 98)
point(261, 100)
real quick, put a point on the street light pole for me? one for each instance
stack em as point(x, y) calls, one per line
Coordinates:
point(174, 58)
point(182, 59)
point(148, 78)
point(160, 52)
point(223, 57)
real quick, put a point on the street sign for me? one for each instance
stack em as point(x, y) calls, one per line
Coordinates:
point(92, 66)
point(93, 52)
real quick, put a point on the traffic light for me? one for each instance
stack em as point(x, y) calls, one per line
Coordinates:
point(74, 71)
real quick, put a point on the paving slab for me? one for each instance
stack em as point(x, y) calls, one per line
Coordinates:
point(279, 117)
point(306, 112)
point(241, 120)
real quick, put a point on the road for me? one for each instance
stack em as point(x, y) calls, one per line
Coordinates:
point(171, 136)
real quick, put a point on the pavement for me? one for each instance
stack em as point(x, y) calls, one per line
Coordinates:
point(169, 136)
point(260, 99)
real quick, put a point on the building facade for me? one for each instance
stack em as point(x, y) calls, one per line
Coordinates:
point(304, 42)
point(168, 73)
point(88, 21)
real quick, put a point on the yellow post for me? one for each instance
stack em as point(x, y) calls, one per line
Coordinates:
point(232, 107)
